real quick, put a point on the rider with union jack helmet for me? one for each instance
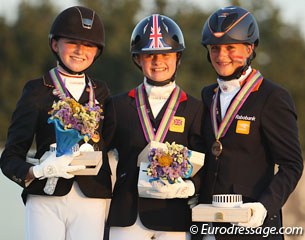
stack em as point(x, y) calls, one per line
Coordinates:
point(154, 35)
point(156, 110)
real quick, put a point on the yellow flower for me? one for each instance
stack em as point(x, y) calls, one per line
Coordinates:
point(165, 160)
point(74, 115)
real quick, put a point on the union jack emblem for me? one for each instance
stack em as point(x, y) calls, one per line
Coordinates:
point(156, 41)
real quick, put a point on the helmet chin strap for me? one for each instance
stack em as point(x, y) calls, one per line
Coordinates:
point(238, 71)
point(236, 75)
point(167, 81)
point(163, 83)
point(156, 83)
point(68, 70)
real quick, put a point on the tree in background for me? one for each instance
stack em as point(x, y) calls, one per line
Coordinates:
point(25, 53)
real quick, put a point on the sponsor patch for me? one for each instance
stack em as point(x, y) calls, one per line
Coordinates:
point(243, 127)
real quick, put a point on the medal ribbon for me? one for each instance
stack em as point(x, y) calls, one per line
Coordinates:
point(63, 92)
point(237, 103)
point(166, 119)
point(58, 83)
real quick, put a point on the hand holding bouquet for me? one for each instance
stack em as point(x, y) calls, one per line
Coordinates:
point(73, 122)
point(163, 168)
point(171, 163)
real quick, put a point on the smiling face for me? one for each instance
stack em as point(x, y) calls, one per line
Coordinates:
point(76, 55)
point(158, 67)
point(226, 58)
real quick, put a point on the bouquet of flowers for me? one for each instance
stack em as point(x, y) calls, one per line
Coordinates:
point(73, 122)
point(171, 163)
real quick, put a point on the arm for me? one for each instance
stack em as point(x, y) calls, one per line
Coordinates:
point(197, 143)
point(19, 140)
point(109, 124)
point(281, 131)
point(280, 136)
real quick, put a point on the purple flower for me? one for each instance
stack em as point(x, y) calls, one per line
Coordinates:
point(171, 164)
point(73, 115)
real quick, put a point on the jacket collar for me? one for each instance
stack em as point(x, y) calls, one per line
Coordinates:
point(255, 89)
point(47, 81)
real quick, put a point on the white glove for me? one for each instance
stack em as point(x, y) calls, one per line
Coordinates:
point(193, 201)
point(56, 167)
point(258, 212)
point(165, 190)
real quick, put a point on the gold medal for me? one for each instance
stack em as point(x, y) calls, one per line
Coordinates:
point(95, 137)
point(216, 148)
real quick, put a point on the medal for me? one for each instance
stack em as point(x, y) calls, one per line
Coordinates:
point(95, 137)
point(61, 90)
point(55, 92)
point(216, 148)
point(220, 130)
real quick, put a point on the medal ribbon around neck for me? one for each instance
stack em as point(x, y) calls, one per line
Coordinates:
point(166, 119)
point(62, 90)
point(237, 103)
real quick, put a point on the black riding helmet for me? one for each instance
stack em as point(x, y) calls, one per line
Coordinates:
point(79, 23)
point(157, 34)
point(231, 25)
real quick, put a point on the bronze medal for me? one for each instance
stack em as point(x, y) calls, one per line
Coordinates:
point(221, 129)
point(95, 137)
point(216, 148)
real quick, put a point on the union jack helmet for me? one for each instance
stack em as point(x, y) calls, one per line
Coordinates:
point(230, 25)
point(156, 34)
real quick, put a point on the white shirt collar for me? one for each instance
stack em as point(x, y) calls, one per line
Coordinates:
point(159, 92)
point(234, 84)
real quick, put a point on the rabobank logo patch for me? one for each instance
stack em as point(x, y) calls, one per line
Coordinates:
point(243, 127)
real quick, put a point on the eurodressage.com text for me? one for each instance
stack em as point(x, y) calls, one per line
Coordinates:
point(207, 229)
